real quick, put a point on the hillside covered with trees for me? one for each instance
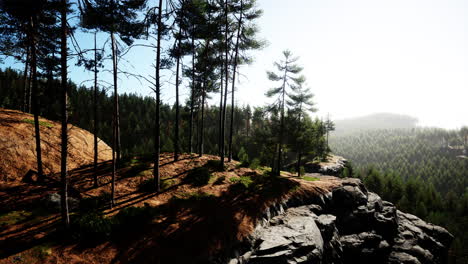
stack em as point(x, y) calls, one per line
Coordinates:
point(422, 170)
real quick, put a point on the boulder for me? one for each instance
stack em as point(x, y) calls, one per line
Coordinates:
point(53, 201)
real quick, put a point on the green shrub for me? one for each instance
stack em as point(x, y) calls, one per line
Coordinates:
point(132, 218)
point(292, 170)
point(94, 203)
point(214, 165)
point(92, 226)
point(302, 171)
point(255, 164)
point(199, 176)
point(42, 251)
point(243, 157)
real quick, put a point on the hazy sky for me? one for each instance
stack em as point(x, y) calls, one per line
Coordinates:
point(403, 56)
point(359, 57)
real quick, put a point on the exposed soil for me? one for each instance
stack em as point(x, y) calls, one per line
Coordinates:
point(17, 146)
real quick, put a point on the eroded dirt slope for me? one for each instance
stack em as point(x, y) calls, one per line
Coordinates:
point(17, 146)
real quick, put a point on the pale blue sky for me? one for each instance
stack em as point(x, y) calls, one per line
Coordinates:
point(359, 57)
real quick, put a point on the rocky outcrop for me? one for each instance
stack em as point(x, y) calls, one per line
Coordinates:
point(333, 166)
point(347, 225)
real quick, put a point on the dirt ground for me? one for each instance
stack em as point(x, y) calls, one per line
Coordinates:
point(181, 231)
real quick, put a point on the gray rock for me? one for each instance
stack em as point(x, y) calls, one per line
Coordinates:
point(402, 258)
point(347, 225)
point(53, 201)
point(348, 197)
point(293, 237)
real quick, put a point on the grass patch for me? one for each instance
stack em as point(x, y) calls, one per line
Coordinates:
point(42, 251)
point(41, 123)
point(309, 178)
point(150, 186)
point(14, 217)
point(246, 181)
point(193, 196)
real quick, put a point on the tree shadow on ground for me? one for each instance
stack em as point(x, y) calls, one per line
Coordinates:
point(194, 228)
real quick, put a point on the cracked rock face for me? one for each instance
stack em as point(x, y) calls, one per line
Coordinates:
point(351, 225)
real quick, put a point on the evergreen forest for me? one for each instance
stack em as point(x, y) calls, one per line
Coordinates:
point(422, 170)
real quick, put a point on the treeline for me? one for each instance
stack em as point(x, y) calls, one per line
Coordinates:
point(253, 136)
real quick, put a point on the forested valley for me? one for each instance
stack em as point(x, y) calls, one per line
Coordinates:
point(422, 170)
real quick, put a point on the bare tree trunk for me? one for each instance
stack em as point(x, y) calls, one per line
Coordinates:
point(221, 135)
point(176, 137)
point(280, 145)
point(192, 98)
point(236, 56)
point(95, 110)
point(35, 106)
point(30, 88)
point(197, 116)
point(157, 140)
point(226, 71)
point(202, 122)
point(114, 121)
point(25, 78)
point(64, 110)
point(299, 157)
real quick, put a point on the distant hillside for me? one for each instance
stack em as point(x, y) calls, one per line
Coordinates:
point(17, 146)
point(375, 121)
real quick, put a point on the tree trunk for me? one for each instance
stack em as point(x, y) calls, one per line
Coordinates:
point(114, 121)
point(35, 106)
point(25, 78)
point(280, 145)
point(176, 136)
point(236, 56)
point(95, 110)
point(197, 116)
point(30, 87)
point(157, 140)
point(192, 103)
point(64, 110)
point(226, 71)
point(220, 128)
point(299, 156)
point(202, 122)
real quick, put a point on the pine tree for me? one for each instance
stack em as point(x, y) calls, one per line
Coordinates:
point(287, 75)
point(19, 32)
point(122, 20)
point(301, 103)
